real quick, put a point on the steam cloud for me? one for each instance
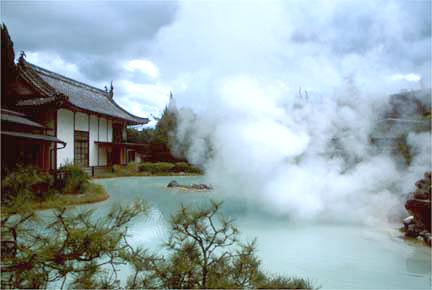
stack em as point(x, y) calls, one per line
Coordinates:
point(284, 97)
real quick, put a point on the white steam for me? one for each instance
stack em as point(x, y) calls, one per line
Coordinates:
point(304, 153)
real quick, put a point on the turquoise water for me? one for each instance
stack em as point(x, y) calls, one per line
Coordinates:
point(330, 255)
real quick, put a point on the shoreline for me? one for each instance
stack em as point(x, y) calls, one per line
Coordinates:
point(148, 175)
point(96, 193)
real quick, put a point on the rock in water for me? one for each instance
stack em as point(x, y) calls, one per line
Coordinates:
point(408, 220)
point(419, 205)
point(173, 183)
point(200, 186)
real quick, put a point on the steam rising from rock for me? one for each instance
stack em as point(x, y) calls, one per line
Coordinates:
point(306, 152)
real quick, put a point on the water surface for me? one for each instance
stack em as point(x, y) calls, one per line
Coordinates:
point(330, 255)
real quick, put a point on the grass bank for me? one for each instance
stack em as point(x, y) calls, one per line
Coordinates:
point(94, 193)
point(152, 169)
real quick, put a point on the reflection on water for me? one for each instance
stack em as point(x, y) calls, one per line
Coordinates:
point(331, 255)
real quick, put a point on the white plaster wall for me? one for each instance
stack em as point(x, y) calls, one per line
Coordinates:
point(93, 136)
point(103, 130)
point(100, 129)
point(65, 132)
point(81, 122)
point(109, 131)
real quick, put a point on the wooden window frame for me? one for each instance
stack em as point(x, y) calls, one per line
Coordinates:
point(83, 162)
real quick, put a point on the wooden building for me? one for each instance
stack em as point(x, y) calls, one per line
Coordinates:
point(49, 119)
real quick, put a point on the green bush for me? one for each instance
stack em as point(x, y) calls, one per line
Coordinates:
point(27, 181)
point(130, 169)
point(76, 180)
point(159, 167)
point(280, 282)
point(182, 167)
point(186, 167)
point(117, 168)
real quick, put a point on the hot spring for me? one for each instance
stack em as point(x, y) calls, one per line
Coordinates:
point(331, 255)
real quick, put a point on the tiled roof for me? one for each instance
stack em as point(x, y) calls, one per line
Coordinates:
point(78, 94)
point(33, 136)
point(18, 118)
point(37, 101)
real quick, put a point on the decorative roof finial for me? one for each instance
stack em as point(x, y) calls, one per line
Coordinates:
point(111, 91)
point(171, 95)
point(22, 57)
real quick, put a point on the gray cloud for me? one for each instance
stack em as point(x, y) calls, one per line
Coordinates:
point(96, 36)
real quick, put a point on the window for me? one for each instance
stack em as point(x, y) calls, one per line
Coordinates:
point(81, 155)
point(117, 133)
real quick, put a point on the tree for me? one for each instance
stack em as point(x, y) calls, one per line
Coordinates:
point(205, 252)
point(164, 131)
point(167, 124)
point(75, 248)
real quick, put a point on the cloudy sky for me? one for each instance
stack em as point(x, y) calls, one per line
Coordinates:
point(96, 42)
point(151, 47)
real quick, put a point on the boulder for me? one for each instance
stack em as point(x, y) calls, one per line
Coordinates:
point(200, 186)
point(421, 196)
point(173, 183)
point(419, 206)
point(408, 220)
point(421, 209)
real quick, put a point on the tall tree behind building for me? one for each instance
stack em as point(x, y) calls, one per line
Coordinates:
point(164, 132)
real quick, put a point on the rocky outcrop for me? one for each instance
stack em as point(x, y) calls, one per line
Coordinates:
point(418, 225)
point(200, 186)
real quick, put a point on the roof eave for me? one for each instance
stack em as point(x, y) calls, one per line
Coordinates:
point(141, 121)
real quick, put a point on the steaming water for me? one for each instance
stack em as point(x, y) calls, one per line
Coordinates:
point(330, 255)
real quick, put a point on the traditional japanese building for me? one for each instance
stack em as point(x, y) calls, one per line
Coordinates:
point(49, 119)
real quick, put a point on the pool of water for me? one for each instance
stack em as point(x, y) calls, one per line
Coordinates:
point(330, 255)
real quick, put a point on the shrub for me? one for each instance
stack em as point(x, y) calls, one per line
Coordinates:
point(129, 169)
point(159, 167)
point(132, 168)
point(204, 252)
point(117, 168)
point(280, 282)
point(186, 167)
point(76, 180)
point(28, 181)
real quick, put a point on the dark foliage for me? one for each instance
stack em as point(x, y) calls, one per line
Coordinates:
point(163, 133)
point(77, 250)
point(205, 252)
point(75, 179)
point(26, 181)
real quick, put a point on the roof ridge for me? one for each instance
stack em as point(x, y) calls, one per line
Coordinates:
point(66, 79)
